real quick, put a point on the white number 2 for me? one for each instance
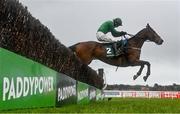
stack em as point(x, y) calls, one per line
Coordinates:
point(108, 50)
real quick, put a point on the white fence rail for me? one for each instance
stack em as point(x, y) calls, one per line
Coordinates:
point(142, 94)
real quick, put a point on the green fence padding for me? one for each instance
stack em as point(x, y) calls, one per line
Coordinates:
point(92, 93)
point(25, 83)
point(99, 94)
point(66, 90)
point(82, 93)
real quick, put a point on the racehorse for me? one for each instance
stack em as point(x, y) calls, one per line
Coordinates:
point(87, 51)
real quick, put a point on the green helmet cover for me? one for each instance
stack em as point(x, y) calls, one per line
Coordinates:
point(117, 22)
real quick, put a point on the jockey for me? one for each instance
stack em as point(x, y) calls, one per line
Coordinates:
point(109, 26)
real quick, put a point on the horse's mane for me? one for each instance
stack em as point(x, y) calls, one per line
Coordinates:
point(138, 34)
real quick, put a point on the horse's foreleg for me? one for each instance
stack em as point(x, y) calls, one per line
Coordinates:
point(139, 72)
point(148, 71)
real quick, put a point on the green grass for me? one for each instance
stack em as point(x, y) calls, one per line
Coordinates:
point(117, 105)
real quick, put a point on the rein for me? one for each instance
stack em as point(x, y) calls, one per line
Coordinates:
point(148, 41)
point(131, 35)
point(139, 49)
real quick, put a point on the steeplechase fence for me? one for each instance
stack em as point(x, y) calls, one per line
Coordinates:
point(36, 69)
point(25, 35)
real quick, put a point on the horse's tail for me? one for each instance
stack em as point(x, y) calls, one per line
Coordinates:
point(73, 47)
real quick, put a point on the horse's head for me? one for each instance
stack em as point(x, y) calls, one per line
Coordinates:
point(153, 36)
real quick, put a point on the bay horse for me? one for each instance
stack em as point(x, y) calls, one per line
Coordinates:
point(87, 51)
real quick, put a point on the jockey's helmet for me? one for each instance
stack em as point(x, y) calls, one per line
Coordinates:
point(117, 22)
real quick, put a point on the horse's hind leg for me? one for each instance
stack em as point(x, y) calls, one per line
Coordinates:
point(138, 73)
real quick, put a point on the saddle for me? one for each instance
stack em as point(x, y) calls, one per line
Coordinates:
point(112, 52)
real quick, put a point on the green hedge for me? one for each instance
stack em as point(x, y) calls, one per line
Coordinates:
point(23, 34)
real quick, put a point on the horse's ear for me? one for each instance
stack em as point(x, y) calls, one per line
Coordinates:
point(147, 26)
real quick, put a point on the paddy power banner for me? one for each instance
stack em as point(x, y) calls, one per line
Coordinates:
point(99, 94)
point(92, 93)
point(66, 90)
point(25, 83)
point(82, 93)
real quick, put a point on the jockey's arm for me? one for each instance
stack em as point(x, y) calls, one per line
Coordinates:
point(116, 33)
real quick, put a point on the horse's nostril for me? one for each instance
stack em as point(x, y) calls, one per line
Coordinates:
point(161, 41)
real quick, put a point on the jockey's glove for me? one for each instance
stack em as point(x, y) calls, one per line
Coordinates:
point(124, 33)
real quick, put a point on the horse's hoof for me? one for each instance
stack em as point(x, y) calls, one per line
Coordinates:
point(135, 77)
point(145, 78)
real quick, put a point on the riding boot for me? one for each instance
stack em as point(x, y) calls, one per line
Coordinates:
point(116, 50)
point(121, 49)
